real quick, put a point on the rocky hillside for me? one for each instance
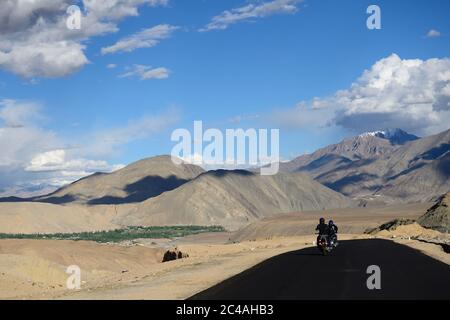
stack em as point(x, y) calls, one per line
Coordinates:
point(136, 182)
point(372, 166)
point(438, 216)
point(235, 198)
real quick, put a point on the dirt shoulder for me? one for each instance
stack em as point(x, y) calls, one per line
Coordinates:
point(206, 266)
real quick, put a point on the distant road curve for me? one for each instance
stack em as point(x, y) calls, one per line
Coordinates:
point(306, 274)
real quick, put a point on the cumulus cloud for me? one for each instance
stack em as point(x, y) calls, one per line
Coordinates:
point(19, 15)
point(251, 12)
point(144, 39)
point(56, 160)
point(35, 40)
point(433, 34)
point(146, 72)
point(55, 59)
point(411, 94)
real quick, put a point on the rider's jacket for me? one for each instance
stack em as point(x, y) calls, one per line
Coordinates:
point(322, 228)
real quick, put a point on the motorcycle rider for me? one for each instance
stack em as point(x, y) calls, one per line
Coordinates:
point(322, 227)
point(332, 231)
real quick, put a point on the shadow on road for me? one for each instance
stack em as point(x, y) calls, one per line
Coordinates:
point(305, 274)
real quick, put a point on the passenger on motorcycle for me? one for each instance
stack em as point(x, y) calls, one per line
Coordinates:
point(332, 231)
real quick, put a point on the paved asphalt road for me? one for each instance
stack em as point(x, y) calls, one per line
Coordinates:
point(306, 274)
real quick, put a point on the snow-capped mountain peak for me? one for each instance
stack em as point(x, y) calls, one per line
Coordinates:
point(395, 136)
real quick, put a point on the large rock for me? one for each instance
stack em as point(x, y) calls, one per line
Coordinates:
point(174, 254)
point(391, 225)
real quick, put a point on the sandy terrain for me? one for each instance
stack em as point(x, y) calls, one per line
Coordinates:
point(406, 234)
point(410, 230)
point(35, 269)
point(432, 250)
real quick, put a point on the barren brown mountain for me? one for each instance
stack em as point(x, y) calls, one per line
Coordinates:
point(235, 198)
point(230, 198)
point(136, 182)
point(370, 166)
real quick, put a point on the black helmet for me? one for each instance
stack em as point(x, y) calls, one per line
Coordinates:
point(330, 222)
point(322, 220)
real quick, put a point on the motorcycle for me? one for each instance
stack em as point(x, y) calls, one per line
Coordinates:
point(326, 244)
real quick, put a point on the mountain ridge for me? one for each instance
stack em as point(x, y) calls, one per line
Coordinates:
point(233, 198)
point(136, 182)
point(367, 166)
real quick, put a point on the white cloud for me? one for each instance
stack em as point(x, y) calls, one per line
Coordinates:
point(19, 144)
point(118, 9)
point(251, 12)
point(19, 136)
point(193, 159)
point(47, 160)
point(146, 38)
point(146, 72)
point(56, 160)
point(35, 41)
point(107, 142)
point(310, 115)
point(20, 15)
point(18, 114)
point(34, 158)
point(111, 66)
point(411, 94)
point(240, 118)
point(433, 34)
point(55, 59)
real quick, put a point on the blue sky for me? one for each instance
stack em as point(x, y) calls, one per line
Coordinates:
point(252, 73)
